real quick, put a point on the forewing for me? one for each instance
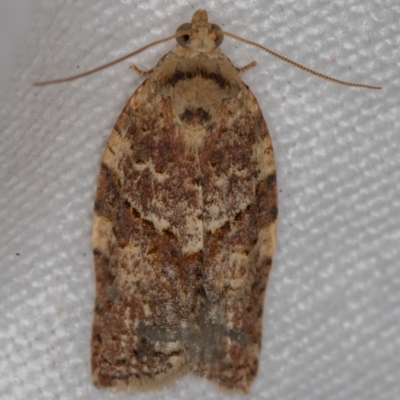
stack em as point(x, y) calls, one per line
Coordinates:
point(146, 213)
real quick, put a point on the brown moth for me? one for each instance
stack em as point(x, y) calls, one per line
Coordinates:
point(184, 222)
point(184, 225)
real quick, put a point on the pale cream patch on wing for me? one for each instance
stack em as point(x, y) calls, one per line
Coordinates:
point(266, 242)
point(101, 234)
point(159, 177)
point(237, 264)
point(194, 138)
point(114, 149)
point(193, 234)
point(264, 157)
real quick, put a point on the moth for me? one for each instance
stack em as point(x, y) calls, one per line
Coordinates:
point(184, 222)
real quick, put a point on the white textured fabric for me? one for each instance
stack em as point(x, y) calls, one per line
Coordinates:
point(332, 314)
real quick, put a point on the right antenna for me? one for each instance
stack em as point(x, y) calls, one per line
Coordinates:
point(295, 64)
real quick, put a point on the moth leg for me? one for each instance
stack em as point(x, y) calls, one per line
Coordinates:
point(246, 67)
point(133, 67)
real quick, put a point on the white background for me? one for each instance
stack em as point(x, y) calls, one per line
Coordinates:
point(332, 314)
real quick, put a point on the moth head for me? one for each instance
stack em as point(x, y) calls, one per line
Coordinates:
point(200, 34)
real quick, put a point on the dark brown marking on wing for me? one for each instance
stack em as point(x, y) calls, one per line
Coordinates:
point(193, 117)
point(179, 76)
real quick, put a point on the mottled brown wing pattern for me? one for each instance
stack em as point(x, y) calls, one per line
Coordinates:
point(239, 215)
point(146, 287)
point(184, 230)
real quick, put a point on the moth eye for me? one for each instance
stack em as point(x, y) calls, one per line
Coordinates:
point(185, 39)
point(220, 38)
